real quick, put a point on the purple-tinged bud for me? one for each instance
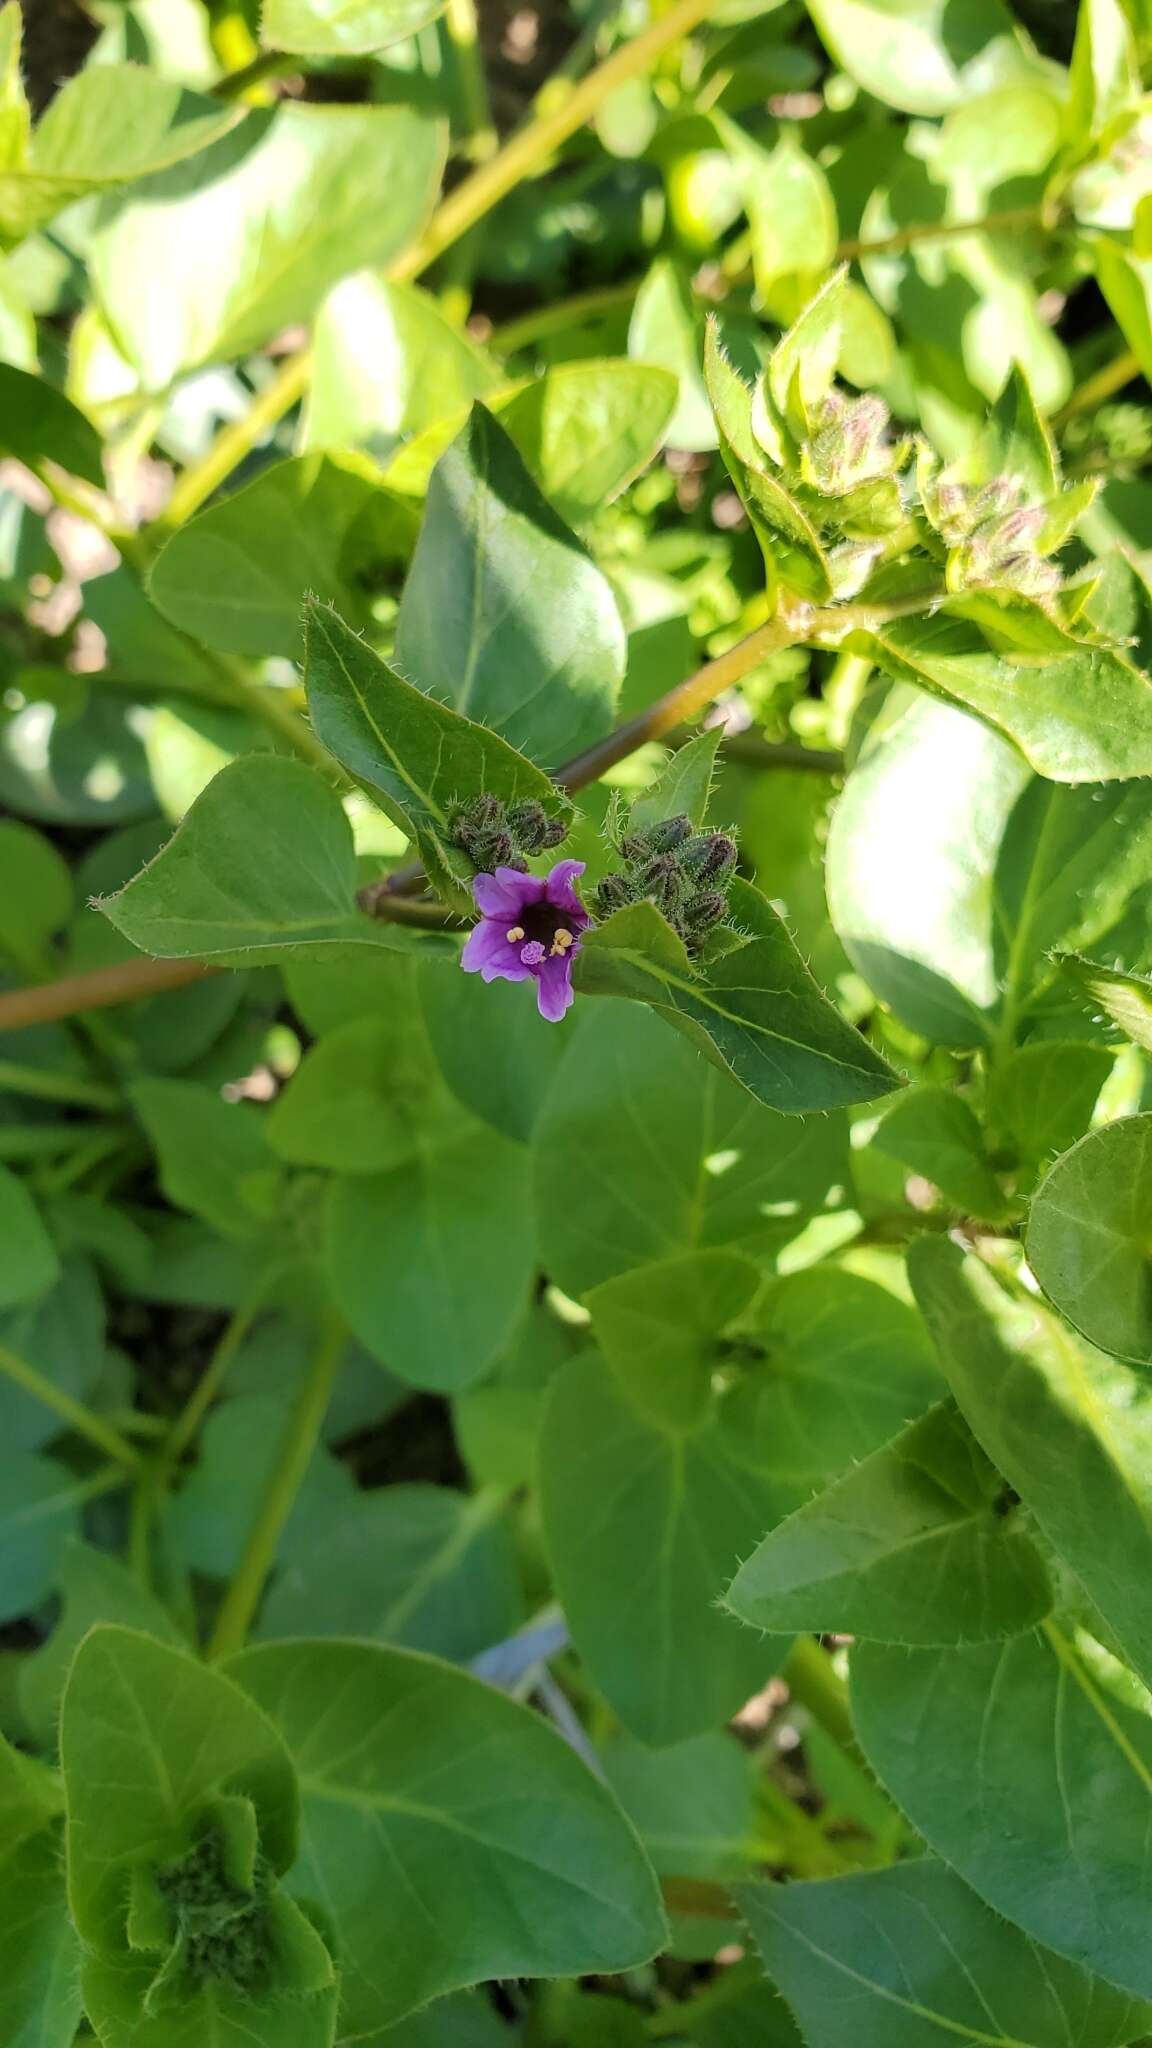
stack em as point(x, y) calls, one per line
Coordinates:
point(613, 893)
point(532, 829)
point(710, 857)
point(669, 832)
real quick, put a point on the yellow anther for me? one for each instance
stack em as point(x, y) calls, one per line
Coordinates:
point(515, 935)
point(562, 941)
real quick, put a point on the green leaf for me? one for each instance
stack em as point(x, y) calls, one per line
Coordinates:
point(658, 1328)
point(1071, 1430)
point(61, 1333)
point(620, 1182)
point(756, 1012)
point(458, 1222)
point(263, 862)
point(844, 1365)
point(920, 55)
point(430, 1810)
point(419, 757)
point(213, 1155)
point(1029, 1780)
point(419, 1566)
point(1088, 1237)
point(237, 575)
point(585, 430)
point(667, 332)
point(39, 1511)
point(36, 894)
point(264, 222)
point(343, 28)
point(693, 1806)
point(643, 1524)
point(148, 1739)
point(209, 1521)
point(791, 212)
point(28, 1262)
point(684, 785)
point(1105, 76)
point(110, 124)
point(387, 363)
point(369, 1096)
point(1042, 1096)
point(912, 1546)
point(93, 1587)
point(1082, 717)
point(1126, 282)
point(934, 1133)
point(39, 1953)
point(792, 548)
point(504, 614)
point(910, 1958)
point(37, 421)
point(1125, 998)
point(496, 1051)
point(953, 875)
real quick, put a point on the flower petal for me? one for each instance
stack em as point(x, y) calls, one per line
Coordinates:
point(554, 991)
point(560, 892)
point(486, 944)
point(505, 893)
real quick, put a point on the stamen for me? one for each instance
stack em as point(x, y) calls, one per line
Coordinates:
point(562, 940)
point(515, 935)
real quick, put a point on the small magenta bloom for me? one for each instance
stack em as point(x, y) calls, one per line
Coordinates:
point(529, 930)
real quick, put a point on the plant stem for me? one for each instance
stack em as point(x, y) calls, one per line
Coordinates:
point(525, 152)
point(545, 320)
point(126, 982)
point(235, 85)
point(1011, 220)
point(812, 1680)
point(297, 1446)
point(79, 1418)
point(211, 1379)
point(48, 1141)
point(1102, 385)
point(46, 1086)
point(463, 30)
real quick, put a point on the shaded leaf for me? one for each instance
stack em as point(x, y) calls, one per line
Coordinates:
point(1088, 1237)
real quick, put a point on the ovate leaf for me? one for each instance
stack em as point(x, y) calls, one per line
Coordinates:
point(504, 615)
point(343, 28)
point(658, 1327)
point(1089, 1237)
point(387, 363)
point(430, 1808)
point(203, 263)
point(910, 1958)
point(916, 55)
point(1126, 999)
point(29, 1265)
point(1029, 1780)
point(39, 1510)
point(915, 1545)
point(263, 861)
point(419, 757)
point(1071, 1430)
point(36, 421)
point(616, 1485)
point(935, 1134)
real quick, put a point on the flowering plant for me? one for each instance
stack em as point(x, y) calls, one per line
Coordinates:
point(575, 995)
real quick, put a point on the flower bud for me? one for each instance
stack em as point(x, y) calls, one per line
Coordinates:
point(709, 857)
point(532, 829)
point(663, 881)
point(613, 893)
point(669, 832)
point(702, 913)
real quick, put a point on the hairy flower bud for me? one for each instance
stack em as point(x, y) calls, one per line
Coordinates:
point(613, 893)
point(709, 858)
point(532, 829)
point(701, 914)
point(667, 833)
point(663, 880)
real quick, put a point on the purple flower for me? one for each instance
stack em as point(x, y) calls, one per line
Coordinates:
point(529, 930)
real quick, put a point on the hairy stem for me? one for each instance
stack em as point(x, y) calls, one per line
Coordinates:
point(1104, 384)
point(463, 32)
point(813, 1682)
point(32, 1381)
point(299, 1441)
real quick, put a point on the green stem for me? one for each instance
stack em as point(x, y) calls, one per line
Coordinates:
point(81, 1419)
point(267, 64)
point(476, 127)
point(1011, 220)
point(211, 1379)
point(811, 1679)
point(297, 1446)
point(525, 153)
point(514, 335)
point(1102, 385)
point(48, 1141)
point(47, 1086)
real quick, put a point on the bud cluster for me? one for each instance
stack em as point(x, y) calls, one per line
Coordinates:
point(683, 872)
point(495, 834)
point(849, 445)
point(997, 539)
